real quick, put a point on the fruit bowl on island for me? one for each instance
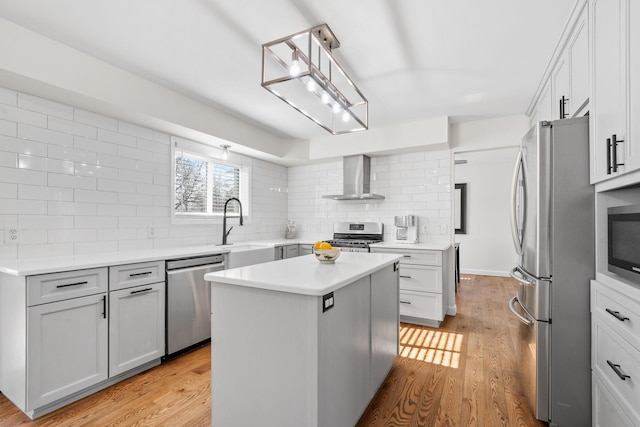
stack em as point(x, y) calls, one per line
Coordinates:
point(327, 256)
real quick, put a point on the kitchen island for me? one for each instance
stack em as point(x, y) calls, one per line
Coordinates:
point(299, 343)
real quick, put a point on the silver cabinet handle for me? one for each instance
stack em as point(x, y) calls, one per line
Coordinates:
point(140, 274)
point(405, 302)
point(521, 277)
point(617, 315)
point(616, 369)
point(71, 284)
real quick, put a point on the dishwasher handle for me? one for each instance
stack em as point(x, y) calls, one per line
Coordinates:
point(208, 268)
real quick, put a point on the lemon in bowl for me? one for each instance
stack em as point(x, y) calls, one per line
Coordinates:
point(325, 253)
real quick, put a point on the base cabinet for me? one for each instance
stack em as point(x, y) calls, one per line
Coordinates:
point(136, 327)
point(67, 348)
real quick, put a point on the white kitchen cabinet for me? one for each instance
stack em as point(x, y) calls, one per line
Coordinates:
point(423, 295)
point(578, 57)
point(615, 354)
point(615, 66)
point(136, 326)
point(286, 251)
point(67, 348)
point(561, 89)
point(305, 249)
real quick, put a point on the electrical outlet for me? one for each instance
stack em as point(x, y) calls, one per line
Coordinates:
point(327, 301)
point(151, 232)
point(12, 235)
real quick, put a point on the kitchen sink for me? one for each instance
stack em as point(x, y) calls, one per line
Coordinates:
point(243, 255)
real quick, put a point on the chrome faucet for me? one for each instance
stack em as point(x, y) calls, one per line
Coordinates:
point(226, 232)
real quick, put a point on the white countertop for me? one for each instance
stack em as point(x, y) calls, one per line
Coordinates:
point(417, 246)
point(31, 266)
point(304, 274)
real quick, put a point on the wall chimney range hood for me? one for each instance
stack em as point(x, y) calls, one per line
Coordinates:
point(356, 177)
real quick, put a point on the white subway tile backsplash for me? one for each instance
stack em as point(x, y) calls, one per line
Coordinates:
point(115, 161)
point(135, 176)
point(134, 130)
point(115, 185)
point(71, 208)
point(63, 236)
point(92, 196)
point(8, 128)
point(69, 153)
point(48, 136)
point(118, 210)
point(116, 138)
point(45, 250)
point(41, 192)
point(45, 164)
point(23, 176)
point(8, 191)
point(45, 222)
point(95, 171)
point(95, 146)
point(16, 145)
point(8, 97)
point(154, 146)
point(97, 222)
point(19, 115)
point(95, 247)
point(7, 159)
point(19, 206)
point(45, 106)
point(135, 199)
point(71, 127)
point(132, 153)
point(71, 181)
point(94, 119)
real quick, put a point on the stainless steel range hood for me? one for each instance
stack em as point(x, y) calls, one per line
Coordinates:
point(356, 175)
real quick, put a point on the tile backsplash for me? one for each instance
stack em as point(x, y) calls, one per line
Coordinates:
point(417, 183)
point(76, 182)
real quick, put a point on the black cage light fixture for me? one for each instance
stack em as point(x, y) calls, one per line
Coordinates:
point(301, 70)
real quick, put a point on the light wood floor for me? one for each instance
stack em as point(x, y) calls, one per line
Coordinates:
point(462, 374)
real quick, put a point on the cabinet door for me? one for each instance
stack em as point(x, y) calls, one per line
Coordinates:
point(67, 348)
point(560, 90)
point(608, 91)
point(384, 323)
point(578, 56)
point(136, 327)
point(633, 49)
point(291, 251)
point(545, 106)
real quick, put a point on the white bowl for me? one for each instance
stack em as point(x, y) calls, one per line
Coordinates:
point(327, 256)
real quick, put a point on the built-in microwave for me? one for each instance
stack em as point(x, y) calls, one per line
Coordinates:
point(623, 236)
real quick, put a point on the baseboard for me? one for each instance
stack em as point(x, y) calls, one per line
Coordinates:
point(484, 272)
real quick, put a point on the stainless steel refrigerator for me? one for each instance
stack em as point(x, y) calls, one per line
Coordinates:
point(553, 231)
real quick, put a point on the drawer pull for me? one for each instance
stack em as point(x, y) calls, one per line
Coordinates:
point(140, 274)
point(406, 277)
point(405, 302)
point(616, 369)
point(407, 256)
point(617, 315)
point(141, 290)
point(72, 284)
point(104, 306)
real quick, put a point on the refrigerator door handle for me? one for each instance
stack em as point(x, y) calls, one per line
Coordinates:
point(520, 317)
point(517, 242)
point(521, 277)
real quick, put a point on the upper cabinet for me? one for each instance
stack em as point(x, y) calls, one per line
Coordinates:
point(615, 64)
point(565, 90)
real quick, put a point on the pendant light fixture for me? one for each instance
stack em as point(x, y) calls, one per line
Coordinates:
point(301, 70)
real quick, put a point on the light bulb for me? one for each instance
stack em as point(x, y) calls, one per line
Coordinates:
point(295, 68)
point(225, 152)
point(337, 108)
point(311, 85)
point(345, 117)
point(325, 98)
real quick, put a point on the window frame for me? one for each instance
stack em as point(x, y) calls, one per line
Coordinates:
point(213, 155)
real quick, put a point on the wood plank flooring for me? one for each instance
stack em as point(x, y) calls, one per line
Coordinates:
point(461, 374)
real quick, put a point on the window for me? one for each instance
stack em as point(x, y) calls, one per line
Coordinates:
point(203, 182)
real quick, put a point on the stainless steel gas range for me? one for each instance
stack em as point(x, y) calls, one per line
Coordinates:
point(356, 236)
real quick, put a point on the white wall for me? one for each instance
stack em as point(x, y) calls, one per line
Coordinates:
point(76, 182)
point(487, 247)
point(416, 183)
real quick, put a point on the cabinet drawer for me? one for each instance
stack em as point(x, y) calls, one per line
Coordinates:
point(420, 278)
point(610, 349)
point(45, 288)
point(619, 311)
point(607, 411)
point(126, 276)
point(421, 304)
point(415, 256)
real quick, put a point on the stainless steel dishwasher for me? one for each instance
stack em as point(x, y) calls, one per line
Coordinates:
point(189, 301)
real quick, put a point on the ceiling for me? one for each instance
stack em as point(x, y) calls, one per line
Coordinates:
point(412, 59)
